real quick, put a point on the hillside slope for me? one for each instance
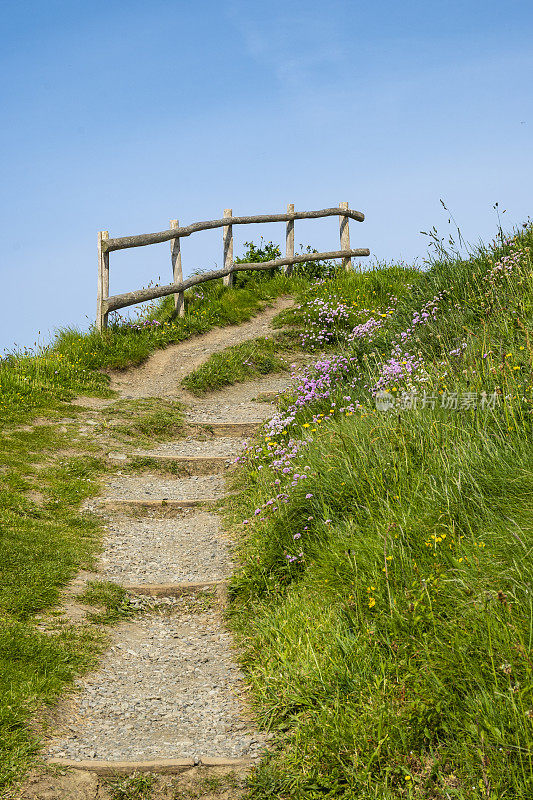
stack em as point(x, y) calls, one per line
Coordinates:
point(385, 524)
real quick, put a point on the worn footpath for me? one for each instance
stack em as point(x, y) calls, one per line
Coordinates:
point(168, 695)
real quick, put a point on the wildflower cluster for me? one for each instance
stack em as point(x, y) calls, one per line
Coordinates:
point(324, 322)
point(143, 324)
point(422, 317)
point(328, 321)
point(365, 330)
point(507, 263)
point(279, 455)
point(315, 383)
point(400, 368)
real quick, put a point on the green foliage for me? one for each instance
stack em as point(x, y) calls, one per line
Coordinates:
point(315, 270)
point(135, 787)
point(267, 251)
point(308, 270)
point(235, 364)
point(146, 418)
point(111, 597)
point(383, 597)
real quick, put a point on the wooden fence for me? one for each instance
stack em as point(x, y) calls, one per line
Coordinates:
point(105, 304)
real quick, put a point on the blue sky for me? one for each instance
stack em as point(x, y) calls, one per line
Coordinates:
point(122, 115)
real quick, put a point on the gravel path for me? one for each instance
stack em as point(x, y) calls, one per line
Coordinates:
point(169, 686)
point(239, 403)
point(146, 486)
point(166, 689)
point(155, 550)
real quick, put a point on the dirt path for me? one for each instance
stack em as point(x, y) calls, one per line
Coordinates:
point(162, 373)
point(168, 696)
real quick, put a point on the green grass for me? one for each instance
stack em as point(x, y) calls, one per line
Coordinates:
point(145, 787)
point(238, 363)
point(385, 608)
point(134, 787)
point(44, 541)
point(112, 600)
point(35, 667)
point(145, 419)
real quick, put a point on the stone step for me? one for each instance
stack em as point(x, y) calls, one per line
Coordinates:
point(243, 429)
point(168, 687)
point(158, 550)
point(162, 766)
point(159, 489)
point(185, 465)
point(173, 589)
point(166, 507)
point(211, 446)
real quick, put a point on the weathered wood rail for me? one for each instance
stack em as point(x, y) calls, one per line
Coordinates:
point(106, 304)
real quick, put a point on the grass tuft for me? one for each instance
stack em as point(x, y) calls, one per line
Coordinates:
point(135, 787)
point(154, 419)
point(113, 600)
point(236, 364)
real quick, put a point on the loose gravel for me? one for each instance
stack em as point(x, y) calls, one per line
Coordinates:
point(152, 550)
point(166, 689)
point(238, 403)
point(209, 411)
point(153, 487)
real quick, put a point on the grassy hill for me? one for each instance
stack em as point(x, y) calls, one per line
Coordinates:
point(383, 518)
point(384, 595)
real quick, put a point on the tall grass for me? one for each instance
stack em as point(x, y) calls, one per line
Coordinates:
point(383, 596)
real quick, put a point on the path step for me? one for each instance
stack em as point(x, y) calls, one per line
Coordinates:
point(164, 766)
point(187, 465)
point(180, 548)
point(160, 489)
point(171, 506)
point(210, 447)
point(173, 589)
point(167, 687)
point(230, 428)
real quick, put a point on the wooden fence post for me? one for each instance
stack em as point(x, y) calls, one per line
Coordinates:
point(177, 271)
point(103, 282)
point(345, 236)
point(227, 238)
point(289, 239)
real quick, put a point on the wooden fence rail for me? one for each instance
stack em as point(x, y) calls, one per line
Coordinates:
point(106, 304)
